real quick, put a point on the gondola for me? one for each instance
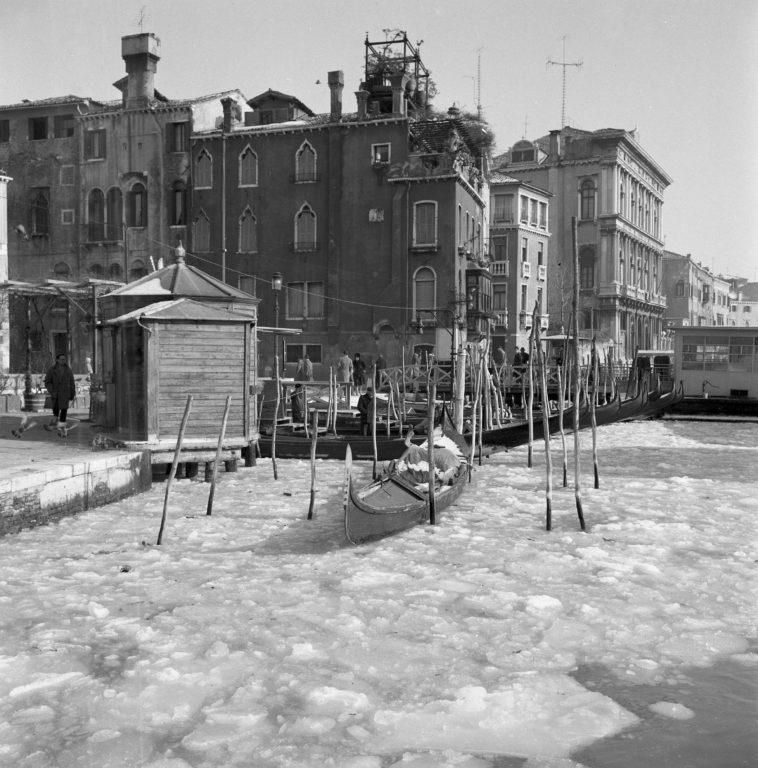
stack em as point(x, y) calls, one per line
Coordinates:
point(514, 435)
point(392, 503)
point(659, 401)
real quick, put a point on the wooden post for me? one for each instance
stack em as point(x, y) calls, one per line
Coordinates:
point(530, 374)
point(314, 439)
point(542, 368)
point(432, 396)
point(595, 375)
point(373, 417)
point(276, 410)
point(219, 447)
point(577, 377)
point(175, 463)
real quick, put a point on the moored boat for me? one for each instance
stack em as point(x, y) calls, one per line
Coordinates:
point(395, 501)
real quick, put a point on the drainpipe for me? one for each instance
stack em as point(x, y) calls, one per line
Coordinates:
point(223, 204)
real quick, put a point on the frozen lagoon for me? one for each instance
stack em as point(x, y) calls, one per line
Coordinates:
point(255, 637)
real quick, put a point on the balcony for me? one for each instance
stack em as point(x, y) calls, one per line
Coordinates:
point(524, 321)
point(500, 318)
point(542, 272)
point(544, 322)
point(526, 269)
point(499, 269)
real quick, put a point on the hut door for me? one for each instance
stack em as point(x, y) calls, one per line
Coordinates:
point(131, 392)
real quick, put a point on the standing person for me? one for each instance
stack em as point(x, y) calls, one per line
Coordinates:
point(308, 367)
point(365, 405)
point(61, 385)
point(300, 372)
point(500, 357)
point(524, 358)
point(381, 364)
point(359, 371)
point(345, 373)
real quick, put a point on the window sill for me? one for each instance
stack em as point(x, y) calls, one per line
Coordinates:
point(424, 248)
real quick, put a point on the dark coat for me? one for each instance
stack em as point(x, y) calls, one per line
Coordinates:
point(61, 385)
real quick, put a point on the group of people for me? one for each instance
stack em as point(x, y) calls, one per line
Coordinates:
point(353, 370)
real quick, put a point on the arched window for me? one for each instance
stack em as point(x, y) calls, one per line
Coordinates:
point(178, 204)
point(305, 229)
point(680, 288)
point(424, 295)
point(201, 232)
point(204, 170)
point(622, 268)
point(306, 163)
point(96, 270)
point(425, 224)
point(41, 212)
point(587, 268)
point(587, 200)
point(96, 216)
point(115, 271)
point(248, 232)
point(248, 170)
point(114, 214)
point(137, 206)
point(138, 270)
point(62, 270)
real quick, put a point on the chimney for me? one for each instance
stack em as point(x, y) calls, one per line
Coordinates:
point(362, 97)
point(555, 143)
point(398, 83)
point(227, 103)
point(336, 81)
point(140, 54)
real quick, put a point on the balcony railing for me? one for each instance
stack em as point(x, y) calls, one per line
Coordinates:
point(499, 269)
point(526, 269)
point(542, 272)
point(500, 318)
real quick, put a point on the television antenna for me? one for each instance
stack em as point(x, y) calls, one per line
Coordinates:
point(564, 64)
point(141, 19)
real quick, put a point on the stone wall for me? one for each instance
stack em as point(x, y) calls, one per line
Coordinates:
point(28, 499)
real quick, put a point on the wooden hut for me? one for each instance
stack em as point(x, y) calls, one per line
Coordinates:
point(167, 350)
point(175, 281)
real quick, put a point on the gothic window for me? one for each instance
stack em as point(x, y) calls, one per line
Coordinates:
point(305, 163)
point(248, 232)
point(204, 170)
point(248, 168)
point(305, 229)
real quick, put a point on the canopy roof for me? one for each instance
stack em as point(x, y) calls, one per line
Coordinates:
point(178, 310)
point(180, 280)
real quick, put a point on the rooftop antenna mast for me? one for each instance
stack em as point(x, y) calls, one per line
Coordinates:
point(479, 83)
point(141, 19)
point(564, 64)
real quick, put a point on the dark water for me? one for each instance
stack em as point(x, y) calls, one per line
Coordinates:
point(722, 734)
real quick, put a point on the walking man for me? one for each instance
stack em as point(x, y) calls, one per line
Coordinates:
point(61, 385)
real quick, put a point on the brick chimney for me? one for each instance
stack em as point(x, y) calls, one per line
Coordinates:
point(336, 81)
point(362, 97)
point(140, 54)
point(228, 104)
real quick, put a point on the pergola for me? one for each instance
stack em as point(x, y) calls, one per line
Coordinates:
point(41, 295)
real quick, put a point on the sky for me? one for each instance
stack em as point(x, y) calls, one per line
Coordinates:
point(683, 73)
point(257, 637)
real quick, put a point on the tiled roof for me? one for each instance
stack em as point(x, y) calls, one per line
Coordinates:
point(52, 101)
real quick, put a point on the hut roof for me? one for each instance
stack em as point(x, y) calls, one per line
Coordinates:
point(181, 309)
point(181, 280)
